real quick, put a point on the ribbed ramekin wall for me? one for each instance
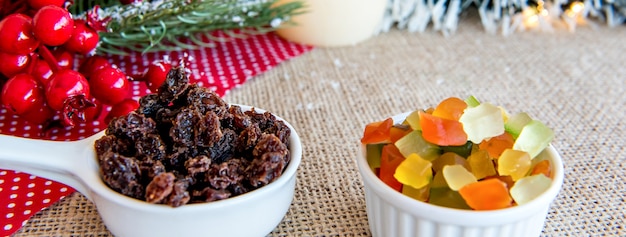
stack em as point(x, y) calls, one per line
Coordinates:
point(388, 220)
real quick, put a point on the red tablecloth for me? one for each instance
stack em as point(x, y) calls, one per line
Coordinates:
point(221, 68)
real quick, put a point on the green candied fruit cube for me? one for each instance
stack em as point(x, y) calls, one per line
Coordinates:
point(446, 197)
point(471, 101)
point(535, 137)
point(530, 187)
point(413, 120)
point(516, 123)
point(449, 158)
point(462, 150)
point(420, 194)
point(373, 154)
point(413, 142)
point(438, 181)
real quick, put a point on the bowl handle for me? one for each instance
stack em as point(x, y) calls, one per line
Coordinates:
point(54, 160)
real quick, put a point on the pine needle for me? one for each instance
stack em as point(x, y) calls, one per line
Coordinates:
point(162, 25)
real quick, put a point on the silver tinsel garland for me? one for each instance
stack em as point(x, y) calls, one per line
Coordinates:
point(504, 16)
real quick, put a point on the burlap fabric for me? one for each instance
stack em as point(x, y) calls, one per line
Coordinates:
point(575, 82)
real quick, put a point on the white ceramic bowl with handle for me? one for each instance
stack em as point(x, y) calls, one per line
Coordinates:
point(255, 213)
point(391, 213)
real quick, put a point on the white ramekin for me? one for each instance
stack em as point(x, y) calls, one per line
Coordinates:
point(391, 213)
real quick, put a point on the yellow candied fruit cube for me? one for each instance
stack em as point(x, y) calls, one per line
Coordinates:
point(514, 163)
point(414, 171)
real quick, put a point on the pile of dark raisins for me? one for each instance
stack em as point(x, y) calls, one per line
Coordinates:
point(186, 145)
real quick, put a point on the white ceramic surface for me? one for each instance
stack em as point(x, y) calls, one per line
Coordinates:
point(255, 213)
point(391, 213)
point(333, 23)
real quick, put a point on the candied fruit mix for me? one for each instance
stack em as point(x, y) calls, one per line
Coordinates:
point(462, 154)
point(186, 145)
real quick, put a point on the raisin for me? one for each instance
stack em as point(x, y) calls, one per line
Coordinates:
point(122, 174)
point(225, 174)
point(266, 169)
point(269, 124)
point(208, 130)
point(160, 187)
point(149, 105)
point(269, 143)
point(282, 131)
point(150, 147)
point(179, 196)
point(240, 120)
point(182, 131)
point(176, 160)
point(264, 120)
point(238, 189)
point(105, 144)
point(149, 169)
point(248, 138)
point(131, 126)
point(224, 149)
point(209, 194)
point(110, 143)
point(205, 100)
point(176, 82)
point(198, 165)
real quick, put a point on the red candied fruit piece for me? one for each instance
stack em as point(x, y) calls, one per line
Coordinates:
point(389, 161)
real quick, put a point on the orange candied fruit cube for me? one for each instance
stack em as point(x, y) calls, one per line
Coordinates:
point(440, 131)
point(496, 145)
point(488, 194)
point(450, 108)
point(377, 132)
point(543, 167)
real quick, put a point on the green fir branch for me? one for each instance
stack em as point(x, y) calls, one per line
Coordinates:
point(150, 27)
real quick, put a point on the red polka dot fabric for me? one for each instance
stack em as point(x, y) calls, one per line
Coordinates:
point(221, 68)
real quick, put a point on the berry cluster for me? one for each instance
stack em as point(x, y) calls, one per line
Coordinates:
point(39, 40)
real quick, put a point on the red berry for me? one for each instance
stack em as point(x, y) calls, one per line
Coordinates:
point(41, 71)
point(21, 93)
point(93, 64)
point(84, 39)
point(110, 85)
point(155, 74)
point(93, 113)
point(121, 109)
point(53, 25)
point(39, 114)
point(65, 59)
point(36, 4)
point(68, 92)
point(63, 85)
point(16, 35)
point(13, 64)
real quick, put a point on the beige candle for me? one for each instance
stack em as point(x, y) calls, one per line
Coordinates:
point(335, 22)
